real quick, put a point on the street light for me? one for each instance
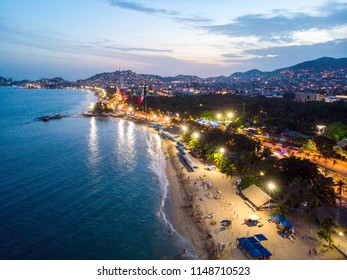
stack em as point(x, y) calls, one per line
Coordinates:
point(184, 128)
point(219, 116)
point(196, 135)
point(271, 187)
point(340, 234)
point(320, 129)
point(222, 150)
point(230, 115)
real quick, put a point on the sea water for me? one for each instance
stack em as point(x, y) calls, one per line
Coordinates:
point(78, 187)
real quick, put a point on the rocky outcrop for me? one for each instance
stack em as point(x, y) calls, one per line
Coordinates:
point(48, 118)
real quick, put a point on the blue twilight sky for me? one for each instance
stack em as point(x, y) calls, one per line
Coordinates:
point(75, 39)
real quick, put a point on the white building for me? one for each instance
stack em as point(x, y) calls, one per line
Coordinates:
point(306, 97)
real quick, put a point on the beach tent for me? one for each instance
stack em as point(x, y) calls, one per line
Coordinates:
point(253, 240)
point(252, 246)
point(283, 221)
point(255, 253)
point(256, 196)
point(260, 237)
point(265, 253)
point(253, 217)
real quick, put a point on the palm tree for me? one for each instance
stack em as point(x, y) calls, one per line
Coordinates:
point(339, 190)
point(308, 216)
point(314, 196)
point(280, 208)
point(328, 225)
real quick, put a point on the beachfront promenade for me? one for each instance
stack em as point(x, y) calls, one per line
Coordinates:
point(197, 195)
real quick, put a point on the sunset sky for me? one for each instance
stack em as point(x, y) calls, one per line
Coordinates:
point(76, 39)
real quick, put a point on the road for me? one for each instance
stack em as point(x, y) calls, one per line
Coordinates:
point(339, 168)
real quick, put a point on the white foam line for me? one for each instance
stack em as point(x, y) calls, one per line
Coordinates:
point(158, 165)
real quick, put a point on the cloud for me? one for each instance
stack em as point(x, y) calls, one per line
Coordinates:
point(130, 49)
point(138, 7)
point(193, 19)
point(278, 25)
point(334, 48)
point(316, 36)
point(231, 55)
point(280, 29)
point(175, 15)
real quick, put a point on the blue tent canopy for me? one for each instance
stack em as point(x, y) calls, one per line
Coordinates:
point(242, 240)
point(248, 246)
point(252, 239)
point(260, 237)
point(287, 224)
point(258, 246)
point(265, 253)
point(283, 221)
point(255, 253)
point(253, 247)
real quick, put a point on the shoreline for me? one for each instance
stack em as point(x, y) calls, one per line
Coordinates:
point(181, 207)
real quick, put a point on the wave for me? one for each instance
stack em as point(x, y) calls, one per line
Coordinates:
point(158, 166)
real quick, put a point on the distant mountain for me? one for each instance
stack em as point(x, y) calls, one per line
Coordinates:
point(113, 78)
point(187, 78)
point(314, 66)
point(287, 74)
point(254, 73)
point(5, 82)
point(317, 65)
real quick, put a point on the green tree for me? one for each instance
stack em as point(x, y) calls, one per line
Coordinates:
point(325, 145)
point(246, 181)
point(328, 225)
point(342, 152)
point(281, 208)
point(336, 130)
point(266, 153)
point(339, 190)
point(308, 216)
point(294, 192)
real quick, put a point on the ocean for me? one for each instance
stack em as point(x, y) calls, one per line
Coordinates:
point(80, 188)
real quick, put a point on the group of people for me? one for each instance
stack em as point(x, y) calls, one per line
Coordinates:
point(313, 251)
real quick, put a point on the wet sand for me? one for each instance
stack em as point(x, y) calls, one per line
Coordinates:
point(181, 206)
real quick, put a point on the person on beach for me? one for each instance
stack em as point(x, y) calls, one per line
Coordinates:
point(183, 252)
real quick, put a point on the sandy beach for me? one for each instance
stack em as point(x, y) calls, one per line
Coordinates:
point(200, 200)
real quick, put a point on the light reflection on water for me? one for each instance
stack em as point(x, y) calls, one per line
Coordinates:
point(125, 142)
point(93, 143)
